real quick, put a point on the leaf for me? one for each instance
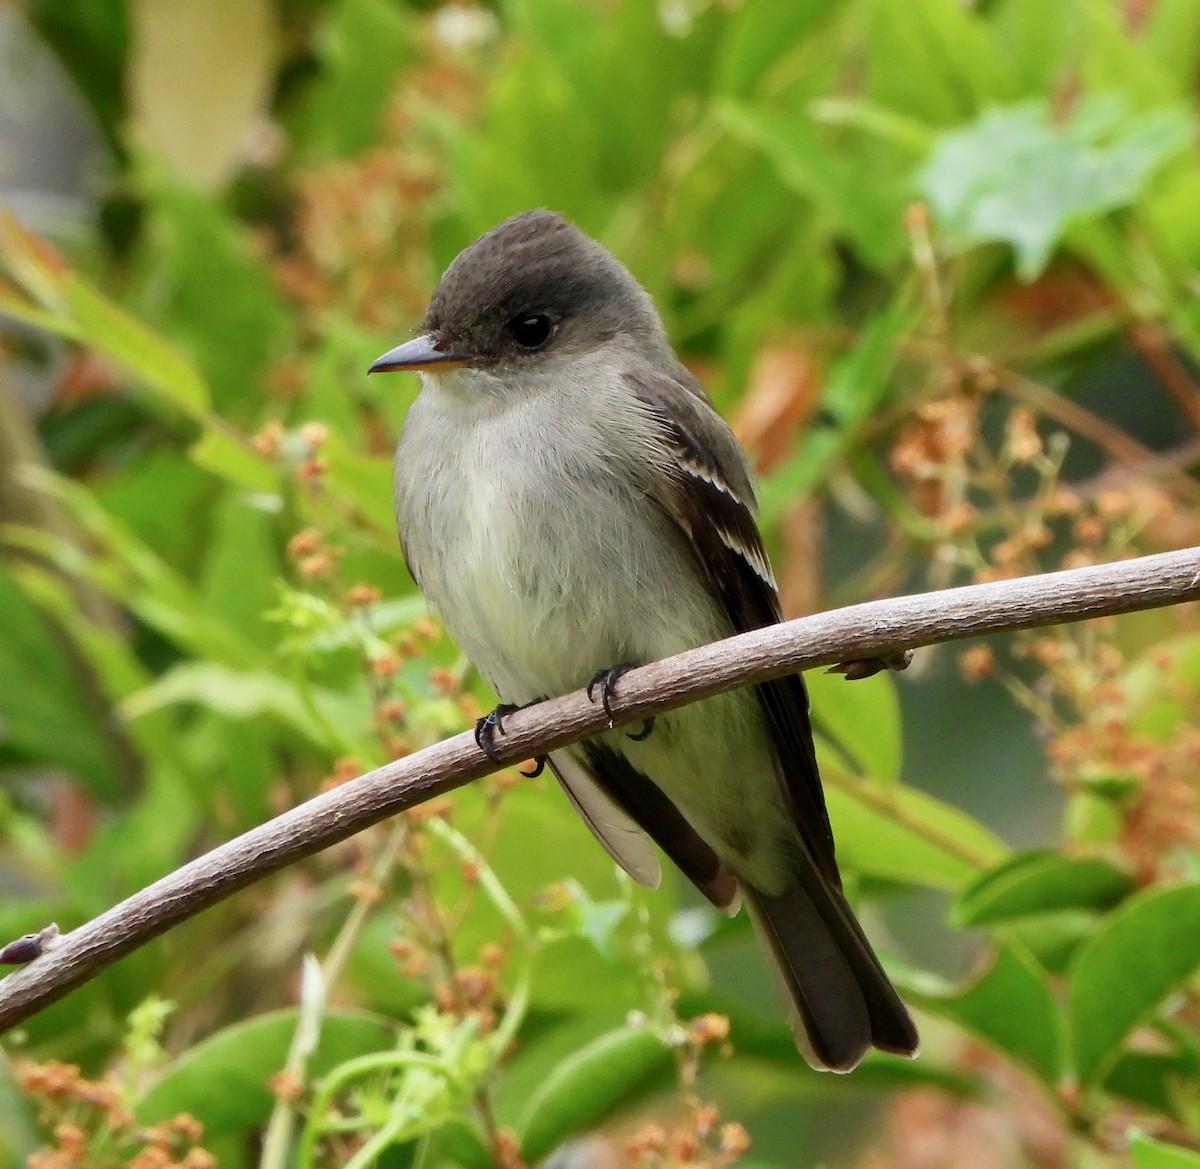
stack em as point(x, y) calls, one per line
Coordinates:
point(43, 712)
point(862, 717)
point(1040, 882)
point(1145, 950)
point(1172, 35)
point(200, 281)
point(1013, 176)
point(90, 38)
point(242, 694)
point(241, 565)
point(363, 482)
point(1148, 1153)
point(868, 214)
point(16, 304)
point(224, 1081)
point(216, 450)
point(360, 46)
point(588, 1085)
point(762, 32)
point(1011, 1006)
point(900, 834)
point(78, 311)
point(134, 574)
point(1052, 938)
point(932, 59)
point(1160, 1081)
point(116, 668)
point(857, 383)
point(546, 1040)
point(1034, 34)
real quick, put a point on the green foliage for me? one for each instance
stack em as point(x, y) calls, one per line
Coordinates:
point(587, 1085)
point(910, 249)
point(1098, 161)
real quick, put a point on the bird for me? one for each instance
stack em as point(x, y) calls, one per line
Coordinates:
point(571, 504)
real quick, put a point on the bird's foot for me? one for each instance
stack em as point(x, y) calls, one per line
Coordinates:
point(488, 727)
point(539, 765)
point(861, 668)
point(606, 681)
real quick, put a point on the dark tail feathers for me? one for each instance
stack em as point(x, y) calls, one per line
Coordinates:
point(839, 1001)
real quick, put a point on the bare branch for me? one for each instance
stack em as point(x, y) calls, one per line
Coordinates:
point(877, 628)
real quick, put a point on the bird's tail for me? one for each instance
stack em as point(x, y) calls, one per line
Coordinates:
point(838, 999)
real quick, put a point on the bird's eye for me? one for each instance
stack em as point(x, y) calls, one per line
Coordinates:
point(532, 331)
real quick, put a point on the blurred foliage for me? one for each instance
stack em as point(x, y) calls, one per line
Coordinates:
point(939, 262)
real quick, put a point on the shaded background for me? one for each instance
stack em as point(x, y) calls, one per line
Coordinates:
point(937, 262)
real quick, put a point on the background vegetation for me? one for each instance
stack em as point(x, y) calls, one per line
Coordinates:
point(940, 264)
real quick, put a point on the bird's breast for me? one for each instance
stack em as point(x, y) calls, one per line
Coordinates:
point(545, 563)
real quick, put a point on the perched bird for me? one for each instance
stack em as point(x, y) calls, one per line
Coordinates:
point(571, 504)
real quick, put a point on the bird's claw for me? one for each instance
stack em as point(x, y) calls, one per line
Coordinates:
point(607, 680)
point(860, 668)
point(539, 765)
point(486, 729)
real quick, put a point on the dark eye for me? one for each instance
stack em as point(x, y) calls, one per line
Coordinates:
point(532, 331)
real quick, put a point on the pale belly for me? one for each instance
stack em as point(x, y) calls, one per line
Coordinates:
point(612, 581)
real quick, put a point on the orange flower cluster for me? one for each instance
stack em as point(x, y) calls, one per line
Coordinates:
point(698, 1141)
point(92, 1127)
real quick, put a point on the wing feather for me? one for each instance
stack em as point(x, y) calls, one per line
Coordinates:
point(707, 491)
point(622, 837)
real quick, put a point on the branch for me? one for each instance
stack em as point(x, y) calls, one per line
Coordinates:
point(874, 629)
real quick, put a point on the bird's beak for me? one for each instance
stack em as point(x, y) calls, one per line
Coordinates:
point(419, 353)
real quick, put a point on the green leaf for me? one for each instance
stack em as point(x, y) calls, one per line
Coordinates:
point(241, 694)
point(1011, 1006)
point(363, 482)
point(1148, 1153)
point(1014, 176)
point(900, 834)
point(133, 574)
point(1052, 938)
point(761, 33)
point(16, 304)
point(1145, 950)
point(1109, 59)
point(217, 450)
point(588, 1085)
point(224, 1081)
point(862, 717)
point(867, 213)
point(81, 313)
point(43, 712)
point(241, 566)
point(360, 46)
point(1172, 36)
point(932, 59)
point(91, 39)
point(1164, 1082)
point(1034, 36)
point(546, 1040)
point(856, 385)
point(1040, 882)
point(204, 286)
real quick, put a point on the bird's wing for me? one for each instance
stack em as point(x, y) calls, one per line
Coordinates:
point(622, 837)
point(706, 490)
point(625, 810)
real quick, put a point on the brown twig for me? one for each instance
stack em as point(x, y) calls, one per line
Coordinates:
point(1152, 342)
point(857, 632)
